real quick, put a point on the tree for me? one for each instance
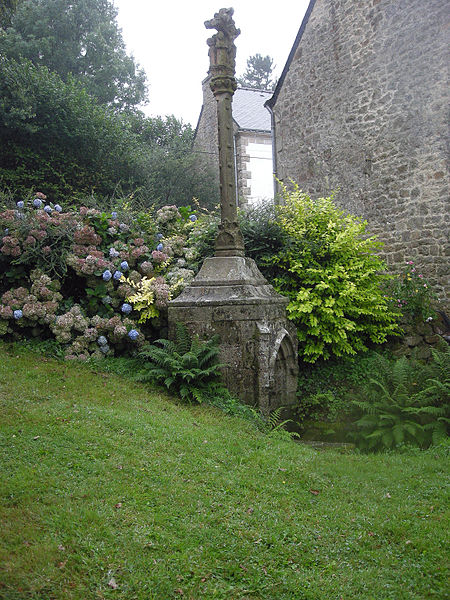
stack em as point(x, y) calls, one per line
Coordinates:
point(258, 74)
point(174, 173)
point(68, 118)
point(54, 137)
point(7, 8)
point(80, 39)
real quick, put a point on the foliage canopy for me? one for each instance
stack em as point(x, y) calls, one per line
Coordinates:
point(55, 136)
point(69, 121)
point(80, 40)
point(259, 73)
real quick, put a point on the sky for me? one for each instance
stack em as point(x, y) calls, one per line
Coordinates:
point(168, 40)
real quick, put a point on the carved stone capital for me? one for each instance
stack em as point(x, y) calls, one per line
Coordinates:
point(229, 240)
point(223, 84)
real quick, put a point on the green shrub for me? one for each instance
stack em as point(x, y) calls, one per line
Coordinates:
point(186, 366)
point(263, 236)
point(407, 402)
point(98, 282)
point(201, 239)
point(411, 294)
point(56, 137)
point(330, 271)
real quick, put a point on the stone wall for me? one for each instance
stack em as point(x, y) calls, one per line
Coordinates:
point(206, 141)
point(363, 109)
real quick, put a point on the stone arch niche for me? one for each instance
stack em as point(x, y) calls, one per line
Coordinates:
point(283, 368)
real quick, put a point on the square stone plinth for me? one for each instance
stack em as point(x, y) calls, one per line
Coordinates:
point(258, 345)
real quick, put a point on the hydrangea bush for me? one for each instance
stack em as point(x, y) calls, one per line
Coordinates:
point(97, 282)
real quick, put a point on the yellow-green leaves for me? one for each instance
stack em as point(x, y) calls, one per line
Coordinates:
point(332, 276)
point(143, 299)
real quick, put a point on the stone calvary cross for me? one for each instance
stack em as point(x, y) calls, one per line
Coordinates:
point(229, 296)
point(222, 56)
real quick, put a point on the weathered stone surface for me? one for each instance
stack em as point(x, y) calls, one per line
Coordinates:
point(231, 298)
point(432, 339)
point(222, 56)
point(424, 329)
point(363, 109)
point(413, 340)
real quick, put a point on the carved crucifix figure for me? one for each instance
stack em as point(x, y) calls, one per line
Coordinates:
point(222, 56)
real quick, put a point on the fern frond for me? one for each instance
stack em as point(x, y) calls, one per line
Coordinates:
point(183, 338)
point(209, 356)
point(274, 417)
point(187, 365)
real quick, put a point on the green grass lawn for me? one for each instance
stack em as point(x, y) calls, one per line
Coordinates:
point(109, 490)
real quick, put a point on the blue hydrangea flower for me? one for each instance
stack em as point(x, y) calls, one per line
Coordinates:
point(58, 208)
point(48, 209)
point(133, 334)
point(113, 253)
point(107, 300)
point(159, 247)
point(117, 275)
point(18, 314)
point(102, 341)
point(114, 214)
point(107, 275)
point(6, 231)
point(124, 265)
point(126, 308)
point(37, 203)
point(20, 204)
point(104, 348)
point(193, 218)
point(159, 236)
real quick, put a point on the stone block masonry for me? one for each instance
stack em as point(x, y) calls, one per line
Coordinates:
point(363, 111)
point(258, 345)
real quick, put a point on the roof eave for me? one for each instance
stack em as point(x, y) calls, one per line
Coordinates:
point(271, 102)
point(245, 130)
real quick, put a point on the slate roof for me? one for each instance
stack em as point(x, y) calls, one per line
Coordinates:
point(249, 111)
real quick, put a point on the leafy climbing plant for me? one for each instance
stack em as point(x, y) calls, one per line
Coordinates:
point(186, 366)
point(406, 403)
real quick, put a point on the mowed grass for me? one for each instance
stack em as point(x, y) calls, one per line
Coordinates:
point(109, 490)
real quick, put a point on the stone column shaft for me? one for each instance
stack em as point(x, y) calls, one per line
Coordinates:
point(226, 157)
point(222, 55)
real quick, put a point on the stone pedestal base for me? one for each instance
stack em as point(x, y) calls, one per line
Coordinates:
point(230, 297)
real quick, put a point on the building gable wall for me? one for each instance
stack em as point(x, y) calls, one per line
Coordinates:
point(362, 110)
point(206, 144)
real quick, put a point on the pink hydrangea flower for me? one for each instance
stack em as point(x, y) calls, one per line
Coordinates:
point(159, 257)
